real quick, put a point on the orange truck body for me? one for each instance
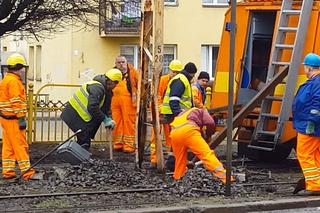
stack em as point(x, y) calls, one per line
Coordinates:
point(245, 17)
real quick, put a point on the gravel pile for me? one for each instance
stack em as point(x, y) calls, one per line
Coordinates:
point(105, 175)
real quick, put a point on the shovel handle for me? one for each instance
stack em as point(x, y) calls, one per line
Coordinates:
point(109, 139)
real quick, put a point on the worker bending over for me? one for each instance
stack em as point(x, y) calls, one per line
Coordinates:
point(175, 67)
point(13, 109)
point(199, 90)
point(306, 121)
point(90, 105)
point(123, 107)
point(186, 134)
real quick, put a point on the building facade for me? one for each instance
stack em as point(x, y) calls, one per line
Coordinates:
point(192, 31)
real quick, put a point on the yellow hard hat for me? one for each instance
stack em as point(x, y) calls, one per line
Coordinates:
point(114, 75)
point(175, 65)
point(16, 58)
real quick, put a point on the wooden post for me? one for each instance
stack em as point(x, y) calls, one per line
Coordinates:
point(141, 114)
point(157, 68)
point(151, 44)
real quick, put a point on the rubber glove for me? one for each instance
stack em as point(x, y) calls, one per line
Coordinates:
point(22, 123)
point(310, 128)
point(109, 123)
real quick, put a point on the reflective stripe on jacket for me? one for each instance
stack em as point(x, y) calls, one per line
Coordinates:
point(79, 101)
point(185, 101)
point(12, 96)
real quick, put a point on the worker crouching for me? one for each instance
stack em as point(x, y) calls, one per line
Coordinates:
point(306, 121)
point(186, 134)
point(13, 109)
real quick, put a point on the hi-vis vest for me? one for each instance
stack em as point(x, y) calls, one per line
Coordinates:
point(182, 120)
point(185, 101)
point(79, 101)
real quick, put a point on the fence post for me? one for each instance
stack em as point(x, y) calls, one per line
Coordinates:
point(208, 97)
point(30, 112)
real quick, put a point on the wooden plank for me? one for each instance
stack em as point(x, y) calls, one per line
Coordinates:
point(246, 110)
point(141, 114)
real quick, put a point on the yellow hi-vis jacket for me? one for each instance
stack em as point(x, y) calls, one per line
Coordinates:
point(185, 101)
point(79, 101)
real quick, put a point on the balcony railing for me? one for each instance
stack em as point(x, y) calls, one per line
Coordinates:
point(120, 17)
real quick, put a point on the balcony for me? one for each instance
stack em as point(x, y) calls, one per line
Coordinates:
point(120, 18)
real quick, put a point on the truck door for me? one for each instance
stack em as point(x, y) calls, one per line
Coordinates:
point(257, 54)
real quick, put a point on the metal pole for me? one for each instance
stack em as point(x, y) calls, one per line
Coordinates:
point(230, 96)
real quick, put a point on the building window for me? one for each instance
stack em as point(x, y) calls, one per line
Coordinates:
point(209, 55)
point(38, 62)
point(131, 52)
point(30, 72)
point(170, 2)
point(169, 53)
point(215, 2)
point(4, 48)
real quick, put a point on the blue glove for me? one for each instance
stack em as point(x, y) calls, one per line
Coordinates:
point(22, 123)
point(310, 128)
point(109, 123)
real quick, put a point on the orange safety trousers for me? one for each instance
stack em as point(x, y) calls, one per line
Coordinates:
point(124, 114)
point(14, 149)
point(166, 147)
point(189, 137)
point(308, 154)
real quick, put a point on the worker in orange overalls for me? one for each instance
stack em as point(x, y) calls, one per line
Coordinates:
point(199, 90)
point(306, 121)
point(123, 107)
point(186, 134)
point(175, 67)
point(13, 109)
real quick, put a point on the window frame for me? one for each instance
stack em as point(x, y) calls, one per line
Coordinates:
point(215, 4)
point(174, 46)
point(175, 3)
point(209, 58)
point(135, 53)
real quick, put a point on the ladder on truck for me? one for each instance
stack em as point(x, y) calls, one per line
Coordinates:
point(264, 138)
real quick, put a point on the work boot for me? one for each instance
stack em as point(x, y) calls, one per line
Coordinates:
point(170, 163)
point(308, 193)
point(301, 185)
point(6, 181)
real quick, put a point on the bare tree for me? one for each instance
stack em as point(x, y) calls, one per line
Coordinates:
point(43, 17)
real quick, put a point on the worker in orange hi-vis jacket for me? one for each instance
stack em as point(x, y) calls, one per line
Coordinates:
point(123, 107)
point(13, 109)
point(186, 134)
point(199, 90)
point(175, 67)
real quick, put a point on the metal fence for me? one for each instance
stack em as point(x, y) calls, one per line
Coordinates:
point(44, 123)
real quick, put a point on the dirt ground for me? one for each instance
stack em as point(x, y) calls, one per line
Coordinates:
point(196, 187)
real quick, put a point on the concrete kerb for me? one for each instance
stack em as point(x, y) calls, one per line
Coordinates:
point(291, 203)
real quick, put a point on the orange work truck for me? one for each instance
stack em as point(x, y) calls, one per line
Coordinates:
point(272, 37)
